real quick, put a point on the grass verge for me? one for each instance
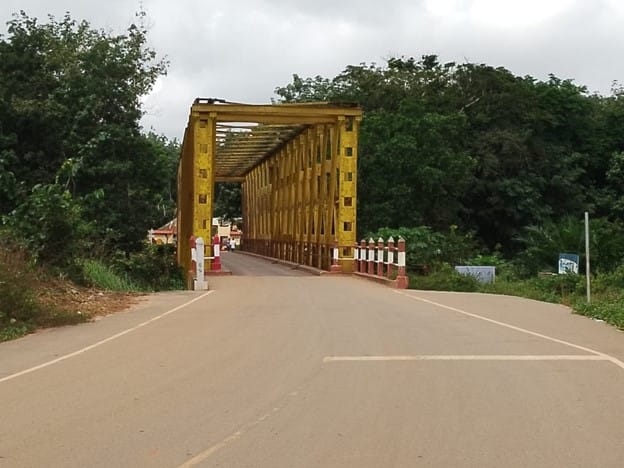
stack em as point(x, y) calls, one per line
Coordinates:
point(607, 301)
point(104, 277)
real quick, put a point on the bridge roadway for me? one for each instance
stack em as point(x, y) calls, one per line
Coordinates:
point(277, 368)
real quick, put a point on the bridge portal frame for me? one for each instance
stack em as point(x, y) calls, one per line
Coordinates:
point(297, 164)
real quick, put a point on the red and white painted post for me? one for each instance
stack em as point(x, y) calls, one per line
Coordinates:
point(216, 248)
point(193, 244)
point(371, 256)
point(390, 269)
point(380, 256)
point(402, 280)
point(363, 256)
point(335, 267)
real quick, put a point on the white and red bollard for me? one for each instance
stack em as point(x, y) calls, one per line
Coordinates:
point(335, 266)
point(216, 249)
point(363, 256)
point(390, 257)
point(380, 256)
point(402, 280)
point(371, 256)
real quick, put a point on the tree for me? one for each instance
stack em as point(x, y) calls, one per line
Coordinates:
point(412, 168)
point(70, 108)
point(228, 204)
point(476, 146)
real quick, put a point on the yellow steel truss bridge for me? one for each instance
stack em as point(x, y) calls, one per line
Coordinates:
point(297, 166)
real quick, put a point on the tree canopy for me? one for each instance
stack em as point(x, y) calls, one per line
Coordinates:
point(73, 159)
point(476, 146)
point(466, 147)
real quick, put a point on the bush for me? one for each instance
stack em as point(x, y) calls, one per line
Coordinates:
point(445, 278)
point(610, 310)
point(542, 244)
point(97, 274)
point(606, 281)
point(20, 310)
point(564, 286)
point(549, 288)
point(505, 270)
point(18, 302)
point(49, 224)
point(153, 268)
point(425, 248)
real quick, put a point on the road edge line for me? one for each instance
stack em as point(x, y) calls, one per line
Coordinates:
point(607, 357)
point(101, 342)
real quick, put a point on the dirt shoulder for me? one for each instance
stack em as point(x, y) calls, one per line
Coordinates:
point(68, 297)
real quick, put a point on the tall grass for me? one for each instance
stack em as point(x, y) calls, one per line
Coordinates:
point(104, 277)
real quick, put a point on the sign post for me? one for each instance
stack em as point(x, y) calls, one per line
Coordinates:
point(587, 257)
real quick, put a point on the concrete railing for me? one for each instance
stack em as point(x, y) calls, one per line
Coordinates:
point(382, 260)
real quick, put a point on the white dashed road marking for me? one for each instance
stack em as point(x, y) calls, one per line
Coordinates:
point(605, 357)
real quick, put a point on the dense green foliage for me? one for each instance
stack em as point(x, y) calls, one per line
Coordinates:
point(476, 147)
point(80, 183)
point(153, 268)
point(228, 203)
point(100, 275)
point(76, 170)
point(20, 309)
point(489, 166)
point(426, 249)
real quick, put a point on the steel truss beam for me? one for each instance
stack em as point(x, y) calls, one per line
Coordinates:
point(298, 170)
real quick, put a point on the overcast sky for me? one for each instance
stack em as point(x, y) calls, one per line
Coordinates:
point(240, 50)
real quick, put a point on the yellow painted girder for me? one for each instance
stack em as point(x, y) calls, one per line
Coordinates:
point(298, 172)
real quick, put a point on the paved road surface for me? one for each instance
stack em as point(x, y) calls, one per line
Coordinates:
point(278, 368)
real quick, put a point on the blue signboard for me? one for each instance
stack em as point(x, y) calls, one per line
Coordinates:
point(568, 263)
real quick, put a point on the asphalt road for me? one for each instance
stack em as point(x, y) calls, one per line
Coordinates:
point(274, 367)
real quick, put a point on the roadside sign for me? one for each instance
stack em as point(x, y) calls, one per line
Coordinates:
point(568, 263)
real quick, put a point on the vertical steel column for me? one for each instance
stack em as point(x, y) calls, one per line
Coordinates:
point(185, 202)
point(307, 219)
point(347, 171)
point(203, 175)
point(298, 210)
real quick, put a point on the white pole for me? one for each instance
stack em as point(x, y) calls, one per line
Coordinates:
point(200, 283)
point(587, 256)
